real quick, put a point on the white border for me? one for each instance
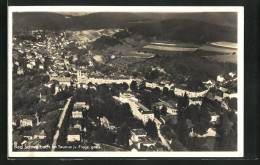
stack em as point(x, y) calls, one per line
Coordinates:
point(239, 10)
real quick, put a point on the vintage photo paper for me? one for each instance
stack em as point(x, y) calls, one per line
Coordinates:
point(99, 81)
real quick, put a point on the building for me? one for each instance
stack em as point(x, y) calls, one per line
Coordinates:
point(146, 116)
point(170, 108)
point(81, 105)
point(139, 138)
point(77, 112)
point(28, 135)
point(76, 124)
point(39, 134)
point(214, 117)
point(20, 71)
point(137, 133)
point(73, 135)
point(26, 121)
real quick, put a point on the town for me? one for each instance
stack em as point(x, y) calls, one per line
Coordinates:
point(119, 91)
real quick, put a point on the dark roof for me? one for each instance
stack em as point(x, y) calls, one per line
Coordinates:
point(73, 131)
point(77, 109)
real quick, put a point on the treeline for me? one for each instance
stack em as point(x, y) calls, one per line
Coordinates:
point(186, 30)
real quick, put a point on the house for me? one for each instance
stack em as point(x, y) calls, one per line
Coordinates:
point(39, 134)
point(170, 108)
point(77, 112)
point(137, 133)
point(29, 66)
point(220, 78)
point(214, 117)
point(146, 116)
point(28, 135)
point(20, 71)
point(26, 121)
point(76, 124)
point(41, 67)
point(73, 135)
point(195, 101)
point(139, 138)
point(81, 105)
point(145, 141)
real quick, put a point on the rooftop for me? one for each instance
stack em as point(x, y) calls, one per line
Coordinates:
point(73, 131)
point(139, 132)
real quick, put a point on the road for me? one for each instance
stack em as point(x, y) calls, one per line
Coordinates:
point(56, 136)
point(164, 141)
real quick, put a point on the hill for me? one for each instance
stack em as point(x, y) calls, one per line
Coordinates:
point(186, 30)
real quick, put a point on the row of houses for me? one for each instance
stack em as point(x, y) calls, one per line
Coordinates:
point(75, 128)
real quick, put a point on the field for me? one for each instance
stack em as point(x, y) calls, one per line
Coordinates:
point(91, 35)
point(225, 44)
point(170, 48)
point(223, 58)
point(123, 62)
point(221, 50)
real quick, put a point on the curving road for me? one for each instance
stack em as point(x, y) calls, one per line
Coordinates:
point(56, 136)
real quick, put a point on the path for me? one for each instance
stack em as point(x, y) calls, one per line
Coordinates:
point(56, 136)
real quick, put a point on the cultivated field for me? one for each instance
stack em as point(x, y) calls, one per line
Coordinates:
point(221, 50)
point(91, 35)
point(223, 58)
point(170, 48)
point(225, 44)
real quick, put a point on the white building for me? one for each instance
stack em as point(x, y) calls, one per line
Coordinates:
point(73, 135)
point(24, 122)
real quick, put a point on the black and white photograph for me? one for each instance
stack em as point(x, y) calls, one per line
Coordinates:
point(125, 81)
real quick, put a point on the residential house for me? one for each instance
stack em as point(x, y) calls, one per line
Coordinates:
point(20, 71)
point(26, 121)
point(28, 135)
point(76, 124)
point(73, 135)
point(39, 134)
point(29, 66)
point(214, 117)
point(137, 133)
point(77, 112)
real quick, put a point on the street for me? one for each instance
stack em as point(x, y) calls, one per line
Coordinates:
point(56, 136)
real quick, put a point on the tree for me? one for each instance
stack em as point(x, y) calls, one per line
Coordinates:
point(171, 94)
point(163, 111)
point(165, 91)
point(156, 92)
point(142, 86)
point(176, 145)
point(151, 129)
point(183, 102)
point(133, 86)
point(125, 86)
point(182, 130)
point(123, 135)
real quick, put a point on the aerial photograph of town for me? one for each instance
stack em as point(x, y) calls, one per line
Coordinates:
point(124, 81)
